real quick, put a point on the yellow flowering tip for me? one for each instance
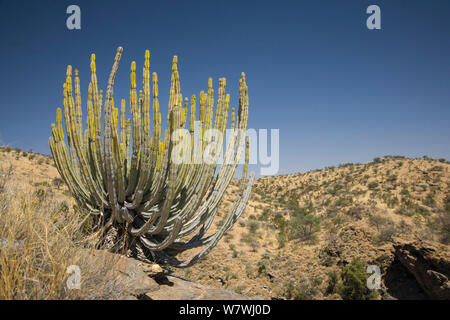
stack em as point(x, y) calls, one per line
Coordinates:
point(147, 59)
point(53, 126)
point(76, 72)
point(224, 82)
point(69, 70)
point(227, 98)
point(209, 83)
point(133, 66)
point(93, 57)
point(174, 63)
point(119, 49)
point(155, 85)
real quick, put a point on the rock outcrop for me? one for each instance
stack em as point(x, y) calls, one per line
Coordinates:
point(139, 280)
point(430, 266)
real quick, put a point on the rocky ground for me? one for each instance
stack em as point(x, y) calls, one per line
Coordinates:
point(297, 229)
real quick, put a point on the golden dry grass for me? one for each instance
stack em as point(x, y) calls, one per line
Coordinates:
point(39, 240)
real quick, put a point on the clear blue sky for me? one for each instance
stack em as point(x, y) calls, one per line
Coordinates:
point(337, 91)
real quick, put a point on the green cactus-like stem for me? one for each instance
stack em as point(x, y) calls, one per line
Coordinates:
point(131, 176)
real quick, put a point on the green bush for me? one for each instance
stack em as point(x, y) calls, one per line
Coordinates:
point(354, 282)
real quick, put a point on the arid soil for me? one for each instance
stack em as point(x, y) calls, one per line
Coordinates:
point(298, 228)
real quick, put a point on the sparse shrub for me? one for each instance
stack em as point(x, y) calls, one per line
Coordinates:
point(279, 221)
point(378, 221)
point(57, 182)
point(301, 291)
point(5, 175)
point(447, 203)
point(252, 226)
point(429, 200)
point(304, 227)
point(386, 233)
point(249, 270)
point(343, 201)
point(422, 211)
point(372, 185)
point(263, 263)
point(41, 194)
point(437, 168)
point(357, 212)
point(405, 192)
point(39, 249)
point(63, 207)
point(282, 239)
point(238, 289)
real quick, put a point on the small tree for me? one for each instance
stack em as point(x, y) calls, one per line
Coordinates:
point(378, 221)
point(304, 226)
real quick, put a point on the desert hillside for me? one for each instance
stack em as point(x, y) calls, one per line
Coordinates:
point(300, 230)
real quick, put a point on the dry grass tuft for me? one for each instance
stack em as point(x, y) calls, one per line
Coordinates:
point(39, 240)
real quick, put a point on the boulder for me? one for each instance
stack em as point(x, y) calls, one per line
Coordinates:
point(150, 281)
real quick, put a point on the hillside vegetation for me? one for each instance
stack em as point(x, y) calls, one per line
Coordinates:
point(302, 236)
point(301, 230)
